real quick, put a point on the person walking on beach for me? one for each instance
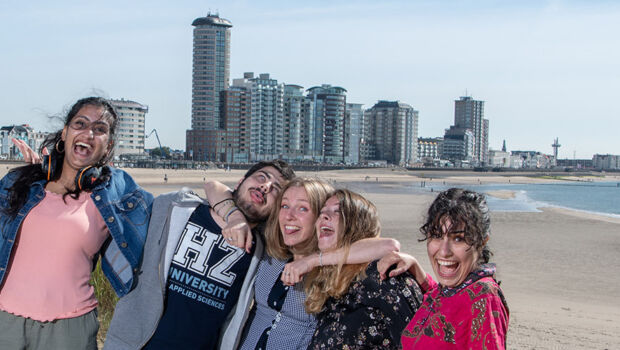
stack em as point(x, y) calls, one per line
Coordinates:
point(58, 216)
point(195, 283)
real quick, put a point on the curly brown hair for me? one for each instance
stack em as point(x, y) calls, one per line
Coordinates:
point(464, 207)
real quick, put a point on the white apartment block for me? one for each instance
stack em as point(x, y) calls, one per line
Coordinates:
point(267, 115)
point(130, 129)
point(606, 161)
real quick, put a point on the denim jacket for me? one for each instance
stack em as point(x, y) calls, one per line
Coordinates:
point(124, 206)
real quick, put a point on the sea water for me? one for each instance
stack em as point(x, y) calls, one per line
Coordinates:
point(594, 197)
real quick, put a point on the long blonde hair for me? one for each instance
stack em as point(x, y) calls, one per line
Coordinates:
point(317, 191)
point(358, 220)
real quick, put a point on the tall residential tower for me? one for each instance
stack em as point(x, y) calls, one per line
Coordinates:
point(391, 133)
point(353, 132)
point(210, 76)
point(469, 114)
point(298, 123)
point(330, 104)
point(267, 125)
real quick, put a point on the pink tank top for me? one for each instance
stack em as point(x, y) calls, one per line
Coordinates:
point(49, 272)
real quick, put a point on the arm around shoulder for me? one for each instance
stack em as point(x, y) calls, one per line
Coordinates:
point(403, 262)
point(363, 251)
point(217, 192)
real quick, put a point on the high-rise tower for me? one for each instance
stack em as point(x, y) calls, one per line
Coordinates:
point(267, 128)
point(469, 114)
point(329, 115)
point(353, 132)
point(210, 76)
point(391, 131)
point(298, 123)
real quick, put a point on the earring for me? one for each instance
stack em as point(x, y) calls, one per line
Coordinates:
point(57, 147)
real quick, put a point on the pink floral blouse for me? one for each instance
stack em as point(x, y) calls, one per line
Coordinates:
point(473, 315)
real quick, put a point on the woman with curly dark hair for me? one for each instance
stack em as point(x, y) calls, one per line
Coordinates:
point(57, 218)
point(465, 308)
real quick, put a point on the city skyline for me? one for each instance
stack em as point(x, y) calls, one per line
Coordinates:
point(544, 70)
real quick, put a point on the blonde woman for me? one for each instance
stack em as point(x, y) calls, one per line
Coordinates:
point(353, 307)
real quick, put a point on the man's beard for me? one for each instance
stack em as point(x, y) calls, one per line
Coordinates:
point(249, 210)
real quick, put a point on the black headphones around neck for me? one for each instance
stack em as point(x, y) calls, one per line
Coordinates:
point(85, 180)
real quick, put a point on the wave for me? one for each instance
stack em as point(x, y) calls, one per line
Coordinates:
point(592, 198)
point(609, 215)
point(532, 204)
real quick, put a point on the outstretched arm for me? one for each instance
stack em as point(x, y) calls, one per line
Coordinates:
point(362, 251)
point(237, 231)
point(30, 156)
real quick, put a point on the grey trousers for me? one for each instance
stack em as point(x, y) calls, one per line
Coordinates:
point(21, 333)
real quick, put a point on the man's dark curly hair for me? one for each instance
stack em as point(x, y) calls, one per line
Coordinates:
point(464, 207)
point(285, 169)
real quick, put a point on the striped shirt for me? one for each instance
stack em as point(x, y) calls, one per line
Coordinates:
point(291, 327)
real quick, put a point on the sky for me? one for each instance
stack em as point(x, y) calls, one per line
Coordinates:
point(545, 69)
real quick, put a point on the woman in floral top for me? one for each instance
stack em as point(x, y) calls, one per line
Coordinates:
point(465, 308)
point(355, 309)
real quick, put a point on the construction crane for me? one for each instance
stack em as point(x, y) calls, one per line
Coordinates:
point(161, 150)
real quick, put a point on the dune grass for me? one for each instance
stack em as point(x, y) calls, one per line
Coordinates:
point(107, 300)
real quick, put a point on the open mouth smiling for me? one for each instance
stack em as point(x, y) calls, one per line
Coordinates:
point(291, 229)
point(82, 149)
point(325, 231)
point(447, 268)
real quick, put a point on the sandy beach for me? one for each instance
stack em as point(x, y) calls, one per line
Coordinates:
point(557, 266)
